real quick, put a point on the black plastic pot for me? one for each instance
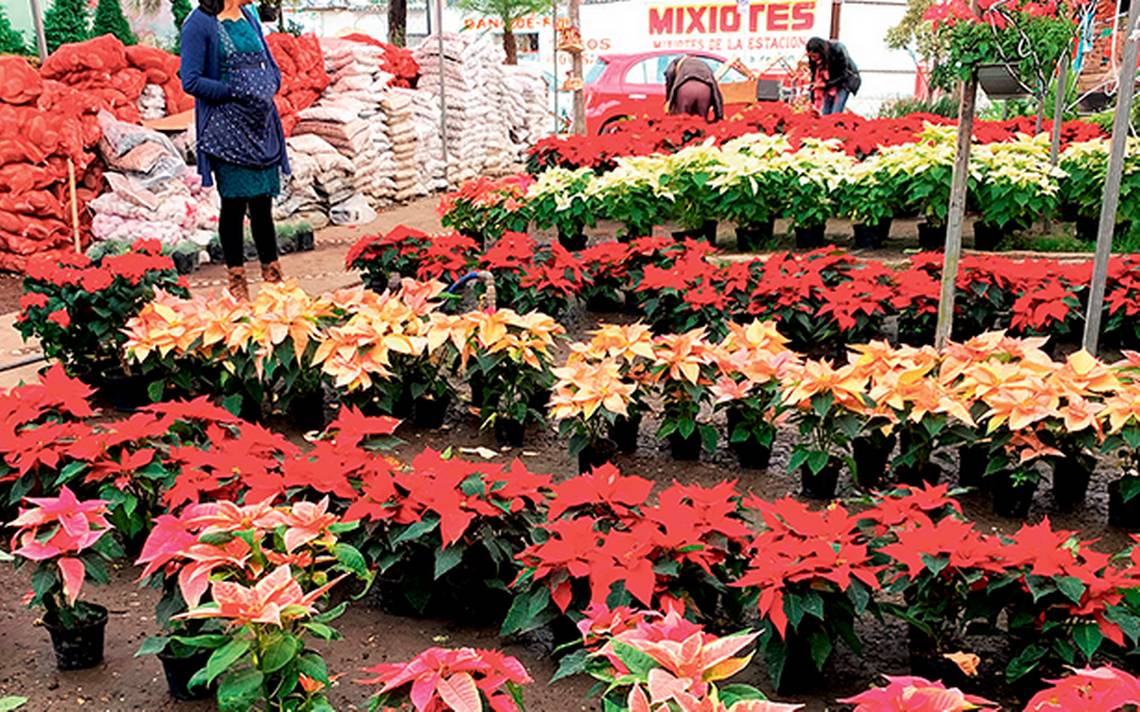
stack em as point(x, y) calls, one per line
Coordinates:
point(918, 475)
point(1070, 483)
point(509, 432)
point(479, 238)
point(750, 454)
point(884, 229)
point(624, 433)
point(430, 412)
point(871, 457)
point(178, 672)
point(596, 455)
point(810, 237)
point(249, 252)
point(752, 238)
point(214, 250)
point(706, 232)
point(931, 237)
point(820, 486)
point(475, 381)
point(1086, 228)
point(539, 400)
point(119, 390)
point(1121, 514)
point(185, 262)
point(633, 304)
point(987, 236)
point(604, 304)
point(306, 241)
point(972, 462)
point(307, 411)
point(287, 244)
point(250, 410)
point(402, 406)
point(867, 237)
point(687, 449)
point(632, 232)
point(81, 647)
point(573, 243)
point(1010, 500)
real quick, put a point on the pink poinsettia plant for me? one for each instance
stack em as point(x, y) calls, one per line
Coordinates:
point(66, 540)
point(1104, 688)
point(441, 679)
point(916, 694)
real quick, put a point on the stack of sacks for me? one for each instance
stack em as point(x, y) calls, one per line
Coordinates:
point(118, 75)
point(528, 114)
point(399, 108)
point(45, 124)
point(338, 122)
point(477, 137)
point(150, 192)
point(303, 75)
point(429, 144)
point(322, 177)
point(396, 61)
point(152, 103)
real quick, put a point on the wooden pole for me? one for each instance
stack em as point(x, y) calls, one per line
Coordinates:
point(1120, 130)
point(1059, 108)
point(957, 212)
point(576, 72)
point(38, 22)
point(442, 90)
point(74, 205)
point(554, 19)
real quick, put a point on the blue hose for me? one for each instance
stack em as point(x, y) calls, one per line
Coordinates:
point(462, 282)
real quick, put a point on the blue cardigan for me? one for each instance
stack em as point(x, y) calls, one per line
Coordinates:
point(202, 75)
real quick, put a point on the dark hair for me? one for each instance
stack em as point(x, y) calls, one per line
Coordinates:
point(817, 45)
point(211, 7)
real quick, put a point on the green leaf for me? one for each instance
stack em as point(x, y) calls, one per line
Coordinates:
point(447, 559)
point(820, 646)
point(1088, 638)
point(817, 461)
point(525, 610)
point(223, 658)
point(351, 559)
point(731, 694)
point(240, 691)
point(415, 531)
point(12, 702)
point(153, 645)
point(637, 662)
point(570, 665)
point(1072, 587)
point(279, 651)
point(321, 630)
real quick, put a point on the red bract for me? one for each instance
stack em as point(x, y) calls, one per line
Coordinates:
point(441, 679)
point(1104, 688)
point(916, 694)
point(604, 491)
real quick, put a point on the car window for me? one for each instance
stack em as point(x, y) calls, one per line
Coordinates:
point(596, 71)
point(731, 75)
point(649, 71)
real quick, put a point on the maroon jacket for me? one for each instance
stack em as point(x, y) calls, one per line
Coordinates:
point(686, 69)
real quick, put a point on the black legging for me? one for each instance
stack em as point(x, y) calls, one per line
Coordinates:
point(231, 229)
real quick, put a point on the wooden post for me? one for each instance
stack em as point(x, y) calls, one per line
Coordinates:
point(957, 212)
point(74, 205)
point(38, 22)
point(1120, 130)
point(576, 72)
point(1059, 108)
point(442, 91)
point(554, 19)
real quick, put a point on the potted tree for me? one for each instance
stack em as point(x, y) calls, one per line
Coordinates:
point(65, 540)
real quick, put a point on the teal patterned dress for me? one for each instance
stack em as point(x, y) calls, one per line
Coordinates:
point(236, 181)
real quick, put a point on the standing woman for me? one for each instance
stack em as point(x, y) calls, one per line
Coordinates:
point(228, 69)
point(835, 77)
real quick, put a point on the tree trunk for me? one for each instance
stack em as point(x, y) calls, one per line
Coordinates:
point(510, 44)
point(398, 22)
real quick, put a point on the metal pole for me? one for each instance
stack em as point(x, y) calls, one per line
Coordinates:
point(1059, 108)
point(38, 21)
point(442, 91)
point(957, 211)
point(554, 85)
point(1120, 130)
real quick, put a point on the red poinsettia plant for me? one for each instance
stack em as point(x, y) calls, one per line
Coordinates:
point(485, 208)
point(440, 679)
point(97, 297)
point(66, 541)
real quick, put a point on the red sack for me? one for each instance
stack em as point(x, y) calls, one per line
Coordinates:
point(36, 202)
point(104, 53)
point(130, 82)
point(19, 81)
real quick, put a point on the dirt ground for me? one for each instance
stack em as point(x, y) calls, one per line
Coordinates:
point(124, 683)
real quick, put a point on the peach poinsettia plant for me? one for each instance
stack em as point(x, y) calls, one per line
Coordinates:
point(455, 680)
point(67, 541)
point(261, 573)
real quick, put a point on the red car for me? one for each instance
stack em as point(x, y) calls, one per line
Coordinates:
point(623, 86)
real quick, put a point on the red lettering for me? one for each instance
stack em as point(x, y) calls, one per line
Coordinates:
point(729, 19)
point(803, 16)
point(696, 21)
point(778, 18)
point(660, 20)
point(754, 13)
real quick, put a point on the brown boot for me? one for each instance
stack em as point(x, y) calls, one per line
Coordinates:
point(238, 287)
point(271, 272)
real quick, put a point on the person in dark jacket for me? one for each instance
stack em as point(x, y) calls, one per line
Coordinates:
point(228, 69)
point(691, 88)
point(833, 73)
